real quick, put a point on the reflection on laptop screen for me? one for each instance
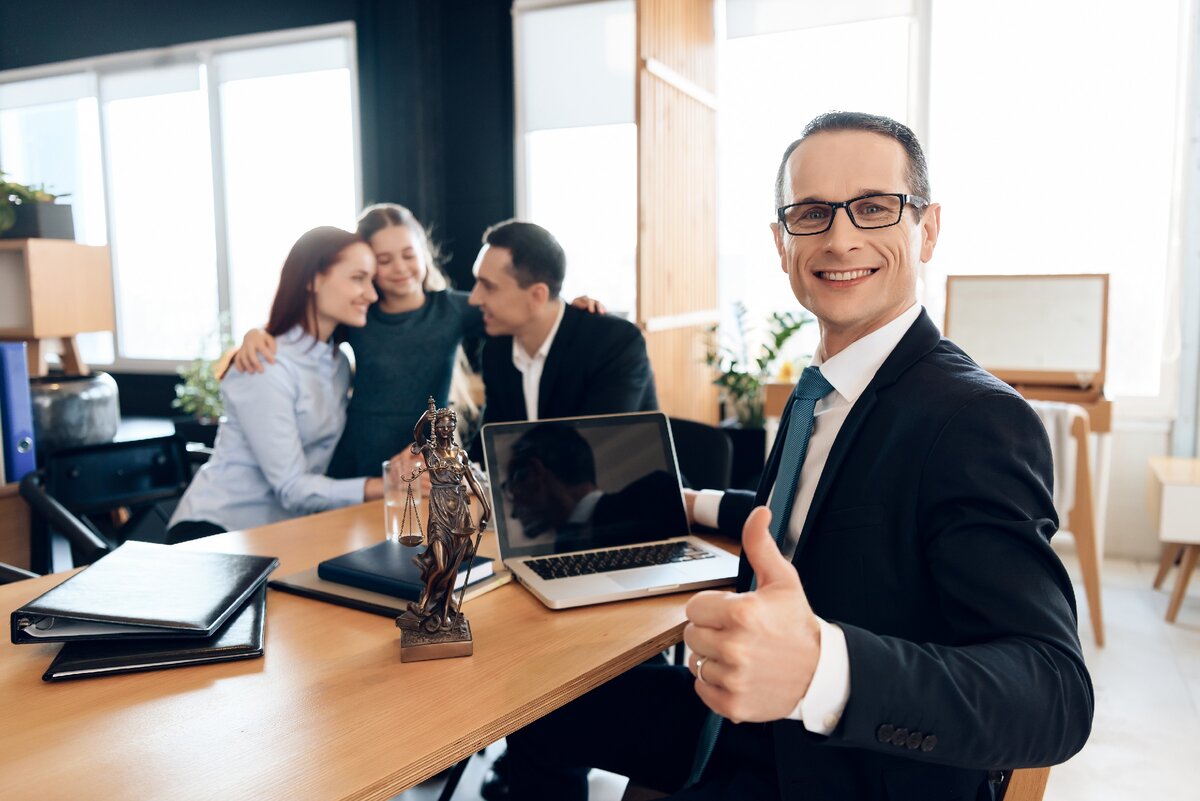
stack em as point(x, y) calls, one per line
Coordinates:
point(580, 483)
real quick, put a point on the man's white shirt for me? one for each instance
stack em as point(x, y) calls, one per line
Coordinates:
point(849, 372)
point(530, 367)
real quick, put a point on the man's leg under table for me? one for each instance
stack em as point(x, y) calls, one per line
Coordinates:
point(643, 724)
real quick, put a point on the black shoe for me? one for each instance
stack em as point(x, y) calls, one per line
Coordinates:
point(495, 783)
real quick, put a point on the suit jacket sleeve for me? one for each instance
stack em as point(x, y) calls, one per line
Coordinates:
point(1010, 688)
point(736, 506)
point(622, 380)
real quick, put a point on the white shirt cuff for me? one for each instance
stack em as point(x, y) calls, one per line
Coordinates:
point(821, 707)
point(708, 507)
point(350, 491)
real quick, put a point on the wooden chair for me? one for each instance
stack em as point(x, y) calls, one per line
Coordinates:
point(1025, 784)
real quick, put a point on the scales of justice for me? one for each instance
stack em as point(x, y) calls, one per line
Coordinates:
point(434, 627)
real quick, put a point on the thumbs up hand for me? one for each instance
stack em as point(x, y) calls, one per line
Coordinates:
point(757, 651)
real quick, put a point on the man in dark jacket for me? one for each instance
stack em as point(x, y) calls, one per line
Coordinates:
point(902, 627)
point(545, 358)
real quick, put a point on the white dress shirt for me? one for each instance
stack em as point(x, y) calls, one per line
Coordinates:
point(530, 367)
point(849, 372)
point(276, 440)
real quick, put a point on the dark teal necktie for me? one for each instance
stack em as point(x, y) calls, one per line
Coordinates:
point(810, 389)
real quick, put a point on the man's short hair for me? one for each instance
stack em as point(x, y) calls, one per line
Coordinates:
point(562, 450)
point(918, 169)
point(536, 254)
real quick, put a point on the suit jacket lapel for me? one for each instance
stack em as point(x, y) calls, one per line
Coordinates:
point(920, 338)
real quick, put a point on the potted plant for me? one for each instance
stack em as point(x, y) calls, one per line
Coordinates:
point(198, 394)
point(30, 211)
point(742, 379)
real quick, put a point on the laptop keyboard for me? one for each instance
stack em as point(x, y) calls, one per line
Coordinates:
point(554, 567)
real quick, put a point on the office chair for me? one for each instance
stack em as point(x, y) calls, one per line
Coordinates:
point(704, 453)
point(85, 501)
point(10, 573)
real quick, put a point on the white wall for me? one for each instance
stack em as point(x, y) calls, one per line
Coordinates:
point(1129, 531)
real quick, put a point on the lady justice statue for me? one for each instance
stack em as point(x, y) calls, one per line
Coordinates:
point(434, 627)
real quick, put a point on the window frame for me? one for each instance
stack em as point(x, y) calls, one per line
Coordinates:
point(202, 53)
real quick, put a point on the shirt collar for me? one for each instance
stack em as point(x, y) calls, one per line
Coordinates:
point(852, 369)
point(519, 354)
point(304, 347)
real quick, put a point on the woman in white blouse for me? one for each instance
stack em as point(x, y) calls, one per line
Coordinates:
point(280, 428)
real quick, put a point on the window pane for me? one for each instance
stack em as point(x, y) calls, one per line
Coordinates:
point(771, 87)
point(288, 147)
point(58, 144)
point(1064, 122)
point(576, 65)
point(581, 185)
point(161, 205)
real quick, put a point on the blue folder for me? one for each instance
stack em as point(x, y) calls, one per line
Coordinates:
point(16, 412)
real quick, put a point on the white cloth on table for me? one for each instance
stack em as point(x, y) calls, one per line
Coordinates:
point(1058, 419)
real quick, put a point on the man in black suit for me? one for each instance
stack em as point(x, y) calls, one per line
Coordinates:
point(902, 628)
point(545, 358)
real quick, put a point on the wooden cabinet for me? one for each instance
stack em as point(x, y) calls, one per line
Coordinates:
point(14, 527)
point(1174, 500)
point(54, 288)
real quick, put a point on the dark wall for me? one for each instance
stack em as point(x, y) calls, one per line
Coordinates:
point(435, 79)
point(435, 83)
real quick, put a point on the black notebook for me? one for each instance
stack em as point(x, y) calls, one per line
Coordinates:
point(241, 637)
point(143, 590)
point(388, 568)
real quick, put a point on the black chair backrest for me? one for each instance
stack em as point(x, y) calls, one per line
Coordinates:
point(704, 452)
point(97, 478)
point(142, 476)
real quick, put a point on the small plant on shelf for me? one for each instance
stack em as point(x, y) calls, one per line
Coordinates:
point(13, 194)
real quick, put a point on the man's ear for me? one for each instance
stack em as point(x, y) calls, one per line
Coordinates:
point(931, 225)
point(778, 232)
point(539, 292)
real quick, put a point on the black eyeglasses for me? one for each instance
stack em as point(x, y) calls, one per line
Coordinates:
point(867, 212)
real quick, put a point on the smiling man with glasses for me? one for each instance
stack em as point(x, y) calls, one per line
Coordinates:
point(902, 628)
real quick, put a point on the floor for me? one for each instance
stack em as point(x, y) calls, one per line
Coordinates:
point(1146, 732)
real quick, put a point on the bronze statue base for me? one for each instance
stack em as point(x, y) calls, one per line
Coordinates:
point(417, 645)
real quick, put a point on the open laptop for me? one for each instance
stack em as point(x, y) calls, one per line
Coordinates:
point(590, 510)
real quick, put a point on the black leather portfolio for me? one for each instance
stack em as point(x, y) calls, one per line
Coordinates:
point(388, 568)
point(143, 590)
point(241, 637)
point(310, 585)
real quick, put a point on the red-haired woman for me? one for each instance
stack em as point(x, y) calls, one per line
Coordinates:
point(280, 428)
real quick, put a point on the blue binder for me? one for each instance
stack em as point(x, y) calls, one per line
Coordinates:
point(16, 412)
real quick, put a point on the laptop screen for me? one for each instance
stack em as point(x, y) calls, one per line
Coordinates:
point(583, 482)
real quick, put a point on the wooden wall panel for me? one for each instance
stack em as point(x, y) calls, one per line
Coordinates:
point(677, 184)
point(684, 383)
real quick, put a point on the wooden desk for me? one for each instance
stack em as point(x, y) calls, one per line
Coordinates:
point(329, 712)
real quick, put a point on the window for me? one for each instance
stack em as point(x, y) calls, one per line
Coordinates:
point(1073, 145)
point(781, 65)
point(577, 142)
point(1041, 108)
point(50, 134)
point(216, 157)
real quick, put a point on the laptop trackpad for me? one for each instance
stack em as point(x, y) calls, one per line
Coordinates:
point(660, 576)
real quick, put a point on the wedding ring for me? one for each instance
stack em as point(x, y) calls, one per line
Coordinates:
point(700, 668)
